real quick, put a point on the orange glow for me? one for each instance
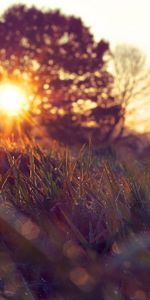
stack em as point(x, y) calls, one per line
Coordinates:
point(13, 100)
point(138, 116)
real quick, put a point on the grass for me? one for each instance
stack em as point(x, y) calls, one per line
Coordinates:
point(99, 204)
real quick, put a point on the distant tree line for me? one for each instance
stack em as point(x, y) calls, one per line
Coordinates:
point(76, 97)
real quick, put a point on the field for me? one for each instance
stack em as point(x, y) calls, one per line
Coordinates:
point(94, 213)
point(74, 152)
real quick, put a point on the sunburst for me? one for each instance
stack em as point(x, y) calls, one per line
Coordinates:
point(13, 100)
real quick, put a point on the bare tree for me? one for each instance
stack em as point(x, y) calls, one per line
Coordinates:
point(131, 79)
point(131, 73)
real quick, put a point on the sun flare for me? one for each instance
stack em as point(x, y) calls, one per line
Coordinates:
point(13, 100)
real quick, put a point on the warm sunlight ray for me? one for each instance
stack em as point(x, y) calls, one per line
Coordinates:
point(13, 100)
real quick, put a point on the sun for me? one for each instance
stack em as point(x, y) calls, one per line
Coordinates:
point(13, 100)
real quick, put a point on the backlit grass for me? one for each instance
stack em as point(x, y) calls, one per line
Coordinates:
point(99, 204)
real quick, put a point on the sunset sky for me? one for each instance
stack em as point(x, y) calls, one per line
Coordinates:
point(118, 21)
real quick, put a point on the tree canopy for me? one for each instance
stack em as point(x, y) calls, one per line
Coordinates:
point(66, 68)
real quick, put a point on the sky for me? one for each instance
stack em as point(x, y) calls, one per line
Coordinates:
point(117, 21)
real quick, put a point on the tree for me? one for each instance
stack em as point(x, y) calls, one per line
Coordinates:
point(131, 76)
point(58, 57)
